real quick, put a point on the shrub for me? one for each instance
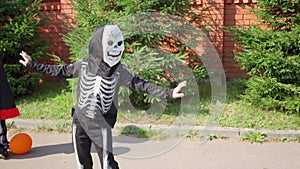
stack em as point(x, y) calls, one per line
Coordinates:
point(272, 94)
point(19, 31)
point(272, 56)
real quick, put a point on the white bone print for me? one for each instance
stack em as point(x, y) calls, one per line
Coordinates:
point(96, 92)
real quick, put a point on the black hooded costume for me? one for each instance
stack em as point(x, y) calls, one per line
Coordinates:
point(99, 77)
point(7, 110)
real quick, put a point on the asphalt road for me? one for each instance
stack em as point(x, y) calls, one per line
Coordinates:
point(52, 150)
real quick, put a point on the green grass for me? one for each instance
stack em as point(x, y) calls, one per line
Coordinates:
point(51, 100)
point(258, 137)
point(240, 114)
point(54, 101)
point(139, 132)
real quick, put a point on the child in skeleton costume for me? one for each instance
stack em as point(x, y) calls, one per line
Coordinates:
point(7, 110)
point(100, 76)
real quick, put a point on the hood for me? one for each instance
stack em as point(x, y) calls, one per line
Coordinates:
point(105, 49)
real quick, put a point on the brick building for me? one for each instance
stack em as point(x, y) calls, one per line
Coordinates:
point(222, 13)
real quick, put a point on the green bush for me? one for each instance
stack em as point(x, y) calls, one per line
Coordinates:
point(279, 14)
point(272, 56)
point(152, 66)
point(272, 94)
point(19, 80)
point(19, 30)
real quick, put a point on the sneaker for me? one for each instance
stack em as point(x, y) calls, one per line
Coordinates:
point(3, 151)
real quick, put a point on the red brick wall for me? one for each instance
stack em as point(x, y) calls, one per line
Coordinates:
point(221, 13)
point(59, 15)
point(236, 14)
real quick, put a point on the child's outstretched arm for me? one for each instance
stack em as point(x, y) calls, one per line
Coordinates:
point(135, 83)
point(63, 71)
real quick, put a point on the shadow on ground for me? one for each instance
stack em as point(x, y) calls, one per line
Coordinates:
point(65, 148)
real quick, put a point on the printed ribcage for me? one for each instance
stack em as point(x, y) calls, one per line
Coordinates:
point(105, 91)
point(96, 92)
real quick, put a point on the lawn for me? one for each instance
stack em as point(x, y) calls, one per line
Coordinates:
point(54, 100)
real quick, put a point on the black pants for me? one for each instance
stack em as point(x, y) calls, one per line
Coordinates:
point(82, 146)
point(3, 133)
point(3, 139)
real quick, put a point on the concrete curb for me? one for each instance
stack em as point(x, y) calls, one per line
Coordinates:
point(229, 132)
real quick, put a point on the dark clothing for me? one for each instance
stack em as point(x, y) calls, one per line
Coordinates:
point(89, 116)
point(82, 146)
point(7, 103)
point(100, 76)
point(7, 110)
point(125, 78)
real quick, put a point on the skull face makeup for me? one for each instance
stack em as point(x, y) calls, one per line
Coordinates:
point(113, 44)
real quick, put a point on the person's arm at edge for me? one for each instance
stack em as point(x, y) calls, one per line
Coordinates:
point(63, 71)
point(140, 85)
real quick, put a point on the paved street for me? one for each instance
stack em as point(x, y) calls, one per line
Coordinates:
point(52, 150)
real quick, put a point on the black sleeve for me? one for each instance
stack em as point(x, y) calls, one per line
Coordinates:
point(62, 71)
point(140, 85)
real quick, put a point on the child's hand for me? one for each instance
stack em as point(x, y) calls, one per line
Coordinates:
point(26, 58)
point(177, 91)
